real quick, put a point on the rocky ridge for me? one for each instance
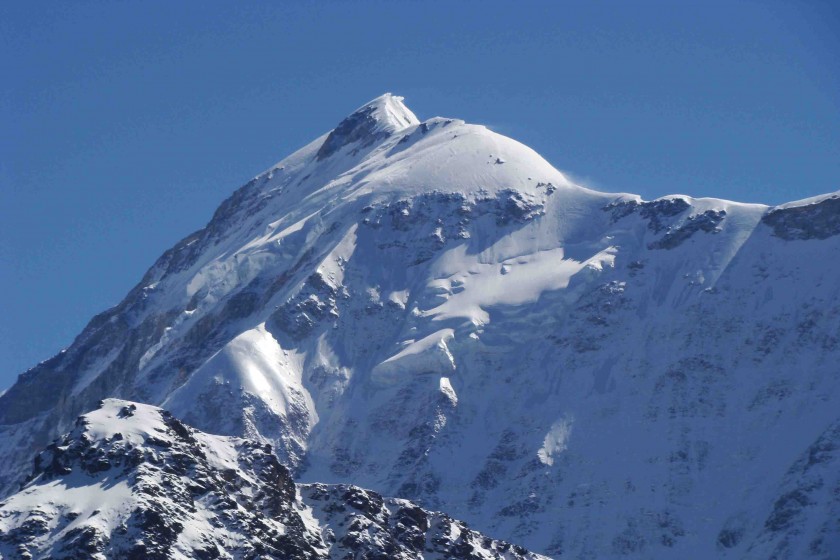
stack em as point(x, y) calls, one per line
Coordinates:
point(131, 481)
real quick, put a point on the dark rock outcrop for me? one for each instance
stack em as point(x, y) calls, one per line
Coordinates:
point(820, 220)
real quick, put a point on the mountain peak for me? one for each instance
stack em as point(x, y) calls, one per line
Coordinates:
point(376, 119)
point(390, 111)
point(435, 312)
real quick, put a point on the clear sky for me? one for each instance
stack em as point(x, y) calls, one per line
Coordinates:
point(124, 124)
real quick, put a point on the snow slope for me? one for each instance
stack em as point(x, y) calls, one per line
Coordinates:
point(431, 310)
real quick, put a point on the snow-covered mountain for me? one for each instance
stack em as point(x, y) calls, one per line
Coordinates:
point(131, 481)
point(431, 310)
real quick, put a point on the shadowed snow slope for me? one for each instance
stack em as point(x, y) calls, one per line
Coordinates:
point(431, 310)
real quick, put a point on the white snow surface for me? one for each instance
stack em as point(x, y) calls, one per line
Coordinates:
point(434, 312)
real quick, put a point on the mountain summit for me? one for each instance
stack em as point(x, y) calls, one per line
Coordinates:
point(431, 310)
point(372, 121)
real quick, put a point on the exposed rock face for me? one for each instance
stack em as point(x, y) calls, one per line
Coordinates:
point(656, 212)
point(662, 215)
point(708, 222)
point(818, 220)
point(431, 311)
point(131, 481)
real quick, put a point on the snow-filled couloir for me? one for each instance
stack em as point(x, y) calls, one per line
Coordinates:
point(431, 310)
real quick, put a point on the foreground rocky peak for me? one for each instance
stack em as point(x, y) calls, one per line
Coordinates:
point(131, 481)
point(431, 310)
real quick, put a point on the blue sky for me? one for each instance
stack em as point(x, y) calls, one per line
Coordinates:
point(124, 124)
